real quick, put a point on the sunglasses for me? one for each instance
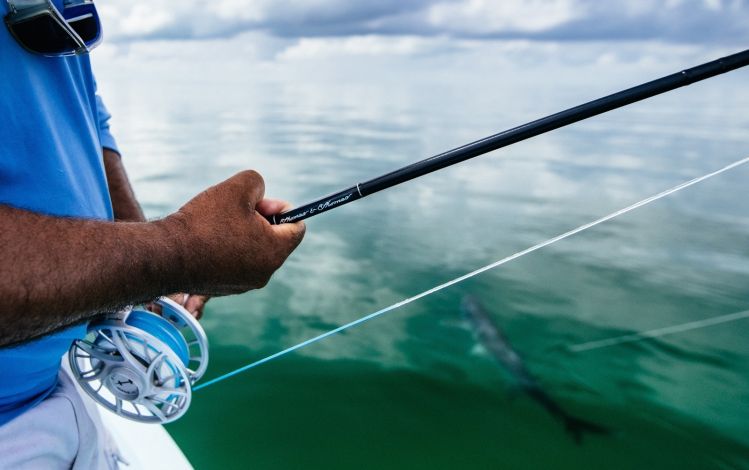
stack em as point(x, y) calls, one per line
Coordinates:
point(40, 28)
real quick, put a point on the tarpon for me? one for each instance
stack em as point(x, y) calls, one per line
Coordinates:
point(492, 338)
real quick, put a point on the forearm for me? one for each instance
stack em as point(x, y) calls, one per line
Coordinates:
point(60, 271)
point(124, 203)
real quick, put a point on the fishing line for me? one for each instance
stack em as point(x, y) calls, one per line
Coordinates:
point(475, 273)
point(658, 332)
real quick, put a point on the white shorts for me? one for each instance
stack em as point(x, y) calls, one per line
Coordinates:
point(62, 431)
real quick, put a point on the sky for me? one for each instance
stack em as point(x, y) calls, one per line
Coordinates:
point(680, 21)
point(396, 34)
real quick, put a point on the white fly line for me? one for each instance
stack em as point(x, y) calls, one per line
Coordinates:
point(476, 272)
point(658, 332)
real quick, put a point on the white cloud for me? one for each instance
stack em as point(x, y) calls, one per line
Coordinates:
point(370, 45)
point(486, 16)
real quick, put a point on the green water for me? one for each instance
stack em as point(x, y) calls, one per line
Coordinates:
point(411, 389)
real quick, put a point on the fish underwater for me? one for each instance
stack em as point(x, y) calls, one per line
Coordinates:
point(494, 341)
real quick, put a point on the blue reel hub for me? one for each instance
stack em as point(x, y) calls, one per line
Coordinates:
point(162, 330)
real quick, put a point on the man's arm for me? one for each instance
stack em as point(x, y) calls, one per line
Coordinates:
point(124, 203)
point(59, 271)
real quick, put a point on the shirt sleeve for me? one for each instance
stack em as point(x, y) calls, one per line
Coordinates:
point(103, 116)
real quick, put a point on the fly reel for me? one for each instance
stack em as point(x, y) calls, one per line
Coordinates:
point(142, 365)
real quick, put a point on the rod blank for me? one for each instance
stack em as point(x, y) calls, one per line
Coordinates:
point(514, 135)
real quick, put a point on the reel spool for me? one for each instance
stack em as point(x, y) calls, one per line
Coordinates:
point(142, 365)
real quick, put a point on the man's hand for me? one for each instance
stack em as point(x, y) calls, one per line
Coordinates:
point(194, 304)
point(223, 241)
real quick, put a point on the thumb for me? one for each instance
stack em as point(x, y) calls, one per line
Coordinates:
point(293, 232)
point(268, 207)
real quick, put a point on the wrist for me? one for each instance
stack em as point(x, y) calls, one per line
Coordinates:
point(172, 240)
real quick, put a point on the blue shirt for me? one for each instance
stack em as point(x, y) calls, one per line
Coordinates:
point(52, 130)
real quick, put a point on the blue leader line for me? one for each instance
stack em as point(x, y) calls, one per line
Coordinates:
point(476, 272)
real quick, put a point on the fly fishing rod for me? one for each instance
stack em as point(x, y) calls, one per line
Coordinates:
point(514, 135)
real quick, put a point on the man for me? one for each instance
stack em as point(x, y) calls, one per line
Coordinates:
point(65, 259)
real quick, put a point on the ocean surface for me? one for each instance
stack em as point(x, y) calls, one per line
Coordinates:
point(413, 389)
